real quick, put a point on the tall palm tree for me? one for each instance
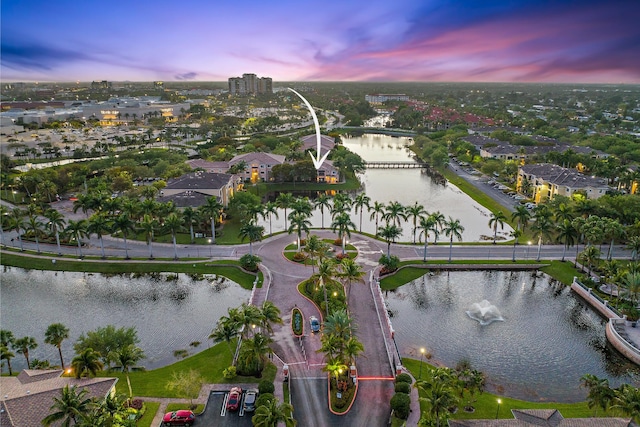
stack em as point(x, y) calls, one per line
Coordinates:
point(99, 225)
point(148, 226)
point(440, 396)
point(212, 209)
point(390, 233)
point(253, 232)
point(299, 222)
point(272, 413)
point(350, 271)
point(600, 394)
point(326, 271)
point(23, 346)
point(631, 282)
point(283, 201)
point(270, 209)
point(69, 408)
point(270, 314)
point(497, 218)
point(441, 221)
point(394, 213)
point(312, 248)
point(78, 229)
point(127, 357)
point(627, 399)
point(453, 229)
point(254, 351)
point(6, 340)
point(54, 335)
point(563, 212)
point(56, 223)
point(86, 363)
point(360, 202)
point(377, 212)
point(190, 216)
point(124, 224)
point(416, 212)
point(343, 225)
point(633, 243)
point(590, 256)
point(614, 231)
point(16, 222)
point(173, 223)
point(301, 205)
point(340, 325)
point(542, 228)
point(352, 349)
point(225, 330)
point(6, 354)
point(515, 234)
point(522, 216)
point(34, 225)
point(323, 201)
point(428, 225)
point(567, 235)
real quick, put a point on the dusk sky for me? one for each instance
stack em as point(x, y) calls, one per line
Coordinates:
point(569, 41)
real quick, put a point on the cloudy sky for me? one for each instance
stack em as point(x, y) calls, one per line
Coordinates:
point(586, 41)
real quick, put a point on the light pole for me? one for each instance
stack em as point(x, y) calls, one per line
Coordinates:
point(422, 351)
point(528, 246)
point(498, 410)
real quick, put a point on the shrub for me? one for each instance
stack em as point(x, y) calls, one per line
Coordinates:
point(299, 257)
point(337, 242)
point(403, 388)
point(136, 404)
point(249, 262)
point(404, 378)
point(389, 264)
point(263, 399)
point(400, 404)
point(266, 386)
point(230, 372)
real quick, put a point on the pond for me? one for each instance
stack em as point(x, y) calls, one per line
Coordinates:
point(168, 314)
point(547, 340)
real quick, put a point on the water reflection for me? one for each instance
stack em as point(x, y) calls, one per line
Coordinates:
point(169, 311)
point(549, 338)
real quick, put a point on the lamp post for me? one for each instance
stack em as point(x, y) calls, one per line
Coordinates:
point(422, 351)
point(528, 246)
point(498, 409)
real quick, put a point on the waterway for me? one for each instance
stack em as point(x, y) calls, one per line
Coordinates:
point(168, 314)
point(548, 340)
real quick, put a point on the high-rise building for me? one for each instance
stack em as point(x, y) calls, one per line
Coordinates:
point(250, 84)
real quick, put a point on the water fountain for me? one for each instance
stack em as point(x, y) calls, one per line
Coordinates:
point(484, 312)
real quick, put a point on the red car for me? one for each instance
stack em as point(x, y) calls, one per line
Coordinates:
point(179, 418)
point(234, 399)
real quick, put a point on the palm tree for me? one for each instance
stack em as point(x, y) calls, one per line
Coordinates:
point(600, 394)
point(590, 255)
point(127, 357)
point(515, 234)
point(99, 225)
point(299, 222)
point(270, 210)
point(323, 201)
point(252, 232)
point(427, 225)
point(377, 212)
point(631, 283)
point(6, 354)
point(283, 201)
point(627, 399)
point(326, 271)
point(416, 212)
point(212, 209)
point(77, 229)
point(441, 221)
point(148, 226)
point(360, 202)
point(313, 247)
point(271, 414)
point(452, 229)
point(340, 325)
point(350, 271)
point(541, 228)
point(6, 340)
point(390, 233)
point(225, 330)
point(522, 216)
point(352, 349)
point(254, 351)
point(563, 212)
point(394, 212)
point(335, 367)
point(23, 345)
point(124, 224)
point(634, 244)
point(16, 222)
point(190, 216)
point(34, 225)
point(69, 408)
point(343, 225)
point(270, 314)
point(87, 363)
point(55, 334)
point(614, 230)
point(440, 396)
point(173, 223)
point(497, 218)
point(567, 235)
point(56, 222)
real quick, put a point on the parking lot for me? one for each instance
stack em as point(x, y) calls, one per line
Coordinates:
point(216, 413)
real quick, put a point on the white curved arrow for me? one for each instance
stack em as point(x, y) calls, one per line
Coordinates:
point(317, 162)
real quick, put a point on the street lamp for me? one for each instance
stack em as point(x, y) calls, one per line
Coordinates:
point(422, 351)
point(498, 410)
point(528, 246)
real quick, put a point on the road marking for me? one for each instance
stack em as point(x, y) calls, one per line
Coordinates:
point(223, 411)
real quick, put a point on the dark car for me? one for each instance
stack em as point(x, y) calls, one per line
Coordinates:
point(250, 397)
point(315, 324)
point(234, 399)
point(178, 418)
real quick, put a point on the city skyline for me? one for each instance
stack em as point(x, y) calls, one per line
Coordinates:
point(406, 40)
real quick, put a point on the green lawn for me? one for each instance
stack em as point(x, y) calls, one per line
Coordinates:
point(209, 363)
point(562, 271)
point(149, 414)
point(177, 406)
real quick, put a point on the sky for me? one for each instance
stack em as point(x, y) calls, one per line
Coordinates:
point(564, 41)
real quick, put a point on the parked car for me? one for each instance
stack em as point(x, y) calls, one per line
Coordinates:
point(250, 397)
point(182, 417)
point(315, 324)
point(234, 399)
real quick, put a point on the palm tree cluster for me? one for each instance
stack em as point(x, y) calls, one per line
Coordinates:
point(55, 334)
point(253, 325)
point(624, 399)
point(74, 408)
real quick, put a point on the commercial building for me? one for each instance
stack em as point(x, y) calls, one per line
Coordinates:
point(250, 84)
point(545, 181)
point(379, 98)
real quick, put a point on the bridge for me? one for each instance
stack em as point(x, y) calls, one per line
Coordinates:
point(396, 165)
